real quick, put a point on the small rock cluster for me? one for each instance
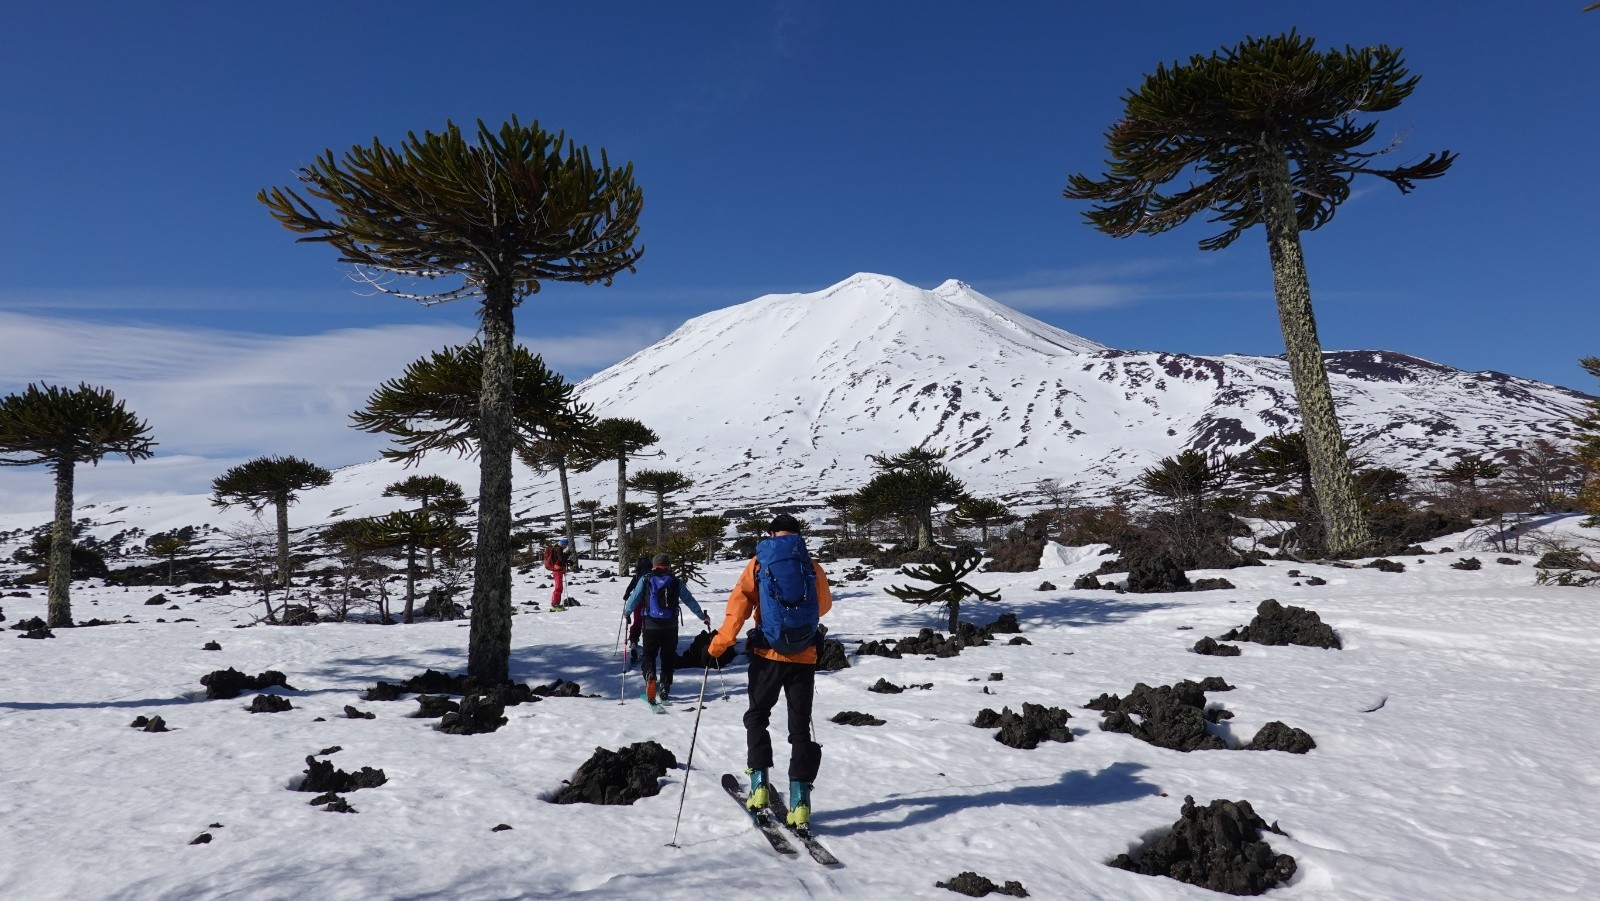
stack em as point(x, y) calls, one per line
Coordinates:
point(974, 886)
point(856, 718)
point(1211, 648)
point(230, 683)
point(618, 777)
point(1171, 716)
point(1036, 723)
point(885, 687)
point(1217, 847)
point(1275, 624)
point(936, 644)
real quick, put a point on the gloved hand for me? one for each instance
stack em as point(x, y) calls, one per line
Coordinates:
point(706, 620)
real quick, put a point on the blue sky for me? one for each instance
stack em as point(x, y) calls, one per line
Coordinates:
point(781, 146)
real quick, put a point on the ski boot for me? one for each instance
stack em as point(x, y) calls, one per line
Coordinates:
point(799, 804)
point(649, 692)
point(664, 696)
point(759, 790)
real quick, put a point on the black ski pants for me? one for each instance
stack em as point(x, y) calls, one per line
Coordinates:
point(659, 642)
point(796, 681)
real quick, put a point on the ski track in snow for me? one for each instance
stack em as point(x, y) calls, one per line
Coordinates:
point(1454, 760)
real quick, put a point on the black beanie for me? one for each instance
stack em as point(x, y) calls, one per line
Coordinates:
point(783, 522)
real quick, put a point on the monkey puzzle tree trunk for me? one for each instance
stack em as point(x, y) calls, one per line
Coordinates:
point(60, 612)
point(566, 503)
point(925, 530)
point(660, 515)
point(411, 581)
point(622, 514)
point(1331, 477)
point(489, 642)
point(282, 503)
point(955, 615)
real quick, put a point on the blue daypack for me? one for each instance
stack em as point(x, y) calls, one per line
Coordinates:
point(788, 587)
point(661, 597)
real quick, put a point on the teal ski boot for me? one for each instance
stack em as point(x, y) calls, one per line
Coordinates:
point(800, 804)
point(760, 790)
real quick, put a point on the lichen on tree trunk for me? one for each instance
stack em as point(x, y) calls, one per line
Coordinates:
point(1331, 476)
point(60, 566)
point(622, 516)
point(282, 504)
point(489, 640)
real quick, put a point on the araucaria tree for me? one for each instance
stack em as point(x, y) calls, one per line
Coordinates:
point(60, 428)
point(1267, 133)
point(497, 217)
point(269, 482)
point(618, 439)
point(563, 449)
point(660, 482)
point(1587, 450)
point(432, 494)
point(948, 587)
point(909, 485)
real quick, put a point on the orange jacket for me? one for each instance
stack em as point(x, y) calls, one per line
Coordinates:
point(745, 601)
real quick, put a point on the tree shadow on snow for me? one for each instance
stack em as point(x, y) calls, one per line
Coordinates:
point(1116, 783)
point(1072, 610)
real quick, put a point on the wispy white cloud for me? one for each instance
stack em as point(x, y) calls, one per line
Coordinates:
point(214, 398)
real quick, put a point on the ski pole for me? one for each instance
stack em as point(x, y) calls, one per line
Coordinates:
point(622, 687)
point(688, 766)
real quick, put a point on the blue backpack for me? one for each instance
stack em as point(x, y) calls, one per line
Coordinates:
point(661, 597)
point(788, 587)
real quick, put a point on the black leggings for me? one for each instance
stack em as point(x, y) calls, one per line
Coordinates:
point(662, 643)
point(796, 681)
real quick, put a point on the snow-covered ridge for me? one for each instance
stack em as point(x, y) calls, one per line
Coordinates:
point(783, 397)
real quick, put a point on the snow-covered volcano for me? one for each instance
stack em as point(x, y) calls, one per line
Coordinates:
point(786, 395)
point(783, 397)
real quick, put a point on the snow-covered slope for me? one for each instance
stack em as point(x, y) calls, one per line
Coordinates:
point(786, 395)
point(783, 397)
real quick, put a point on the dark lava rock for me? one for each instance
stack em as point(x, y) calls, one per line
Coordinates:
point(974, 886)
point(157, 600)
point(270, 704)
point(856, 718)
point(434, 682)
point(339, 805)
point(29, 624)
point(1086, 582)
point(561, 688)
point(501, 828)
point(832, 656)
point(885, 687)
point(383, 691)
point(1046, 586)
point(479, 714)
point(1210, 585)
point(38, 632)
point(1316, 580)
point(618, 777)
point(211, 646)
point(354, 714)
point(323, 777)
point(1508, 561)
point(203, 838)
point(997, 677)
point(298, 615)
point(1276, 624)
point(230, 683)
point(1468, 563)
point(1387, 566)
point(1276, 736)
point(1211, 648)
point(149, 724)
point(431, 707)
point(1217, 847)
point(1036, 723)
point(936, 644)
point(84, 624)
point(1018, 639)
point(1171, 716)
point(331, 749)
point(1158, 572)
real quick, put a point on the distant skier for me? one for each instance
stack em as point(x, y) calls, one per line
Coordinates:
point(787, 592)
point(558, 558)
point(660, 594)
point(641, 568)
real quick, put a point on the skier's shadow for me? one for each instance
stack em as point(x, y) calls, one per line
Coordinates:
point(1077, 788)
